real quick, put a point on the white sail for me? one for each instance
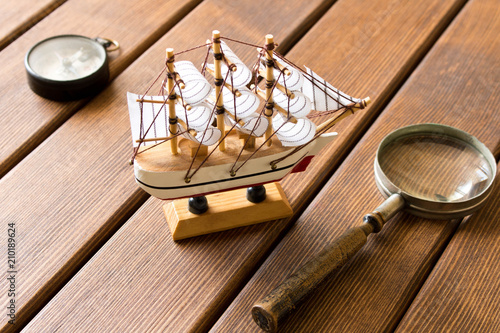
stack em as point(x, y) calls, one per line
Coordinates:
point(291, 134)
point(254, 125)
point(197, 87)
point(199, 117)
point(150, 112)
point(292, 82)
point(299, 106)
point(323, 95)
point(246, 104)
point(206, 137)
point(155, 118)
point(242, 75)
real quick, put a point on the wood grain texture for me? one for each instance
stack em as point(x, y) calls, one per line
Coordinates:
point(186, 286)
point(27, 118)
point(17, 16)
point(70, 194)
point(462, 292)
point(374, 290)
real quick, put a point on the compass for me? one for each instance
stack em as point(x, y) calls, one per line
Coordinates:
point(69, 67)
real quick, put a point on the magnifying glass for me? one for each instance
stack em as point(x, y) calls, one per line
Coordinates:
point(429, 170)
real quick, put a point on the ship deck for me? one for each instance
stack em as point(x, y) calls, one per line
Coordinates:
point(160, 158)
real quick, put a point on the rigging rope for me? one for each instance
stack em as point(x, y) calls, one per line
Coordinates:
point(310, 78)
point(162, 141)
point(143, 135)
point(188, 177)
point(318, 133)
point(233, 171)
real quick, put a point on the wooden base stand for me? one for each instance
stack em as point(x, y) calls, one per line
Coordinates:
point(226, 210)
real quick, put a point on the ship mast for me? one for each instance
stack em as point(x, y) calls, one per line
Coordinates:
point(269, 87)
point(171, 101)
point(218, 87)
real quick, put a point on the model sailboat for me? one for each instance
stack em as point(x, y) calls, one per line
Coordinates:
point(193, 139)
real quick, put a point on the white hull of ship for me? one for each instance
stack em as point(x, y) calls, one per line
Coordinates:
point(211, 179)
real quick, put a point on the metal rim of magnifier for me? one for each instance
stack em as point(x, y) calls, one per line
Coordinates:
point(429, 208)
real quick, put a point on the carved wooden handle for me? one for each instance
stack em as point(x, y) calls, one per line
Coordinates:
point(278, 304)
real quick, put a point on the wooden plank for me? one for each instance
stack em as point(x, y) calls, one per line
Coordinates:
point(28, 119)
point(18, 16)
point(462, 292)
point(373, 291)
point(69, 195)
point(187, 285)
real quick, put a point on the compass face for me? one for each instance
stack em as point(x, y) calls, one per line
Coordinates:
point(66, 58)
point(67, 67)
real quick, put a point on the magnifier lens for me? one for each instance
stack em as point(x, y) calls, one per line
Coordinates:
point(435, 167)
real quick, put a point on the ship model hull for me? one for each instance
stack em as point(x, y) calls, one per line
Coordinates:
point(170, 184)
point(244, 127)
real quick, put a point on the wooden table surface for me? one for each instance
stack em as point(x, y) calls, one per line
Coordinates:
point(93, 251)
